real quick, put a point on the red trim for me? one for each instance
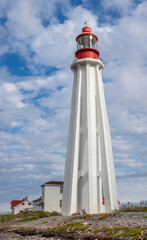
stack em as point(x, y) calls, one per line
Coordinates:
point(40, 204)
point(86, 33)
point(55, 183)
point(103, 200)
point(87, 53)
point(20, 211)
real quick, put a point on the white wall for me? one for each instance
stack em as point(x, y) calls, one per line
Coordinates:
point(51, 198)
point(21, 207)
point(36, 207)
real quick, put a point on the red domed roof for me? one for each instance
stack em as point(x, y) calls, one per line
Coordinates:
point(86, 31)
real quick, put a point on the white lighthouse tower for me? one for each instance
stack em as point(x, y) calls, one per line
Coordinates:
point(89, 180)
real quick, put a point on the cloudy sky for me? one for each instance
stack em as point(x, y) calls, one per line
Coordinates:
point(37, 45)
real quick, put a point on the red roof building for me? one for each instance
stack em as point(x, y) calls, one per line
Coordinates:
point(54, 183)
point(18, 206)
point(15, 203)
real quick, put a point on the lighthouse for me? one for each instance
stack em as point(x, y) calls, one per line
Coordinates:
point(89, 178)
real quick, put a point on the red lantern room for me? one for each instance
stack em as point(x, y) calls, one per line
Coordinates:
point(86, 44)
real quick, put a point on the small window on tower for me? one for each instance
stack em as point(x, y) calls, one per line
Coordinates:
point(61, 189)
point(60, 203)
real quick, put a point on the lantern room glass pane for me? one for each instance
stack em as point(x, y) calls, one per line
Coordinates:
point(87, 41)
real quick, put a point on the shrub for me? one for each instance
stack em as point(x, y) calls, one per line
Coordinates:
point(69, 227)
point(123, 232)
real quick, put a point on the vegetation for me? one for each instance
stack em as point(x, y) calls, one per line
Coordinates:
point(104, 216)
point(26, 219)
point(100, 216)
point(70, 227)
point(134, 207)
point(27, 216)
point(76, 214)
point(5, 218)
point(123, 232)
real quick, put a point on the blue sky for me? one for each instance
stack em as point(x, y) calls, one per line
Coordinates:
point(37, 45)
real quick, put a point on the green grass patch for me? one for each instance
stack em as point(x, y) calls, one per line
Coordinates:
point(133, 209)
point(123, 232)
point(29, 219)
point(27, 228)
point(45, 222)
point(69, 227)
point(7, 227)
point(5, 218)
point(26, 216)
point(76, 214)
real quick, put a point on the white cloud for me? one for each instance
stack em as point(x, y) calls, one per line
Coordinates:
point(122, 6)
point(124, 52)
point(22, 21)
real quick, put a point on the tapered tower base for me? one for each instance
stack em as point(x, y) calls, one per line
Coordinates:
point(89, 182)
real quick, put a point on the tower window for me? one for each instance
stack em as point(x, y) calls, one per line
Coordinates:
point(60, 203)
point(61, 189)
point(87, 41)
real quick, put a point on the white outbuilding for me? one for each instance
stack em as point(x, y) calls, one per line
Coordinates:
point(18, 206)
point(51, 199)
point(52, 192)
point(38, 205)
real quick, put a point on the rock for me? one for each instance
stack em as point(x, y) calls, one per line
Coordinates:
point(36, 230)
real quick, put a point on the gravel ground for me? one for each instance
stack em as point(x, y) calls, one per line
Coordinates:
point(38, 229)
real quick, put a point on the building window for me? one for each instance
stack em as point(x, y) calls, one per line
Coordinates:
point(60, 203)
point(61, 189)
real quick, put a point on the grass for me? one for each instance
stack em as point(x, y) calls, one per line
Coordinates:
point(76, 214)
point(29, 219)
point(100, 216)
point(27, 216)
point(87, 216)
point(133, 209)
point(104, 216)
point(26, 228)
point(5, 218)
point(8, 227)
point(123, 232)
point(71, 227)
